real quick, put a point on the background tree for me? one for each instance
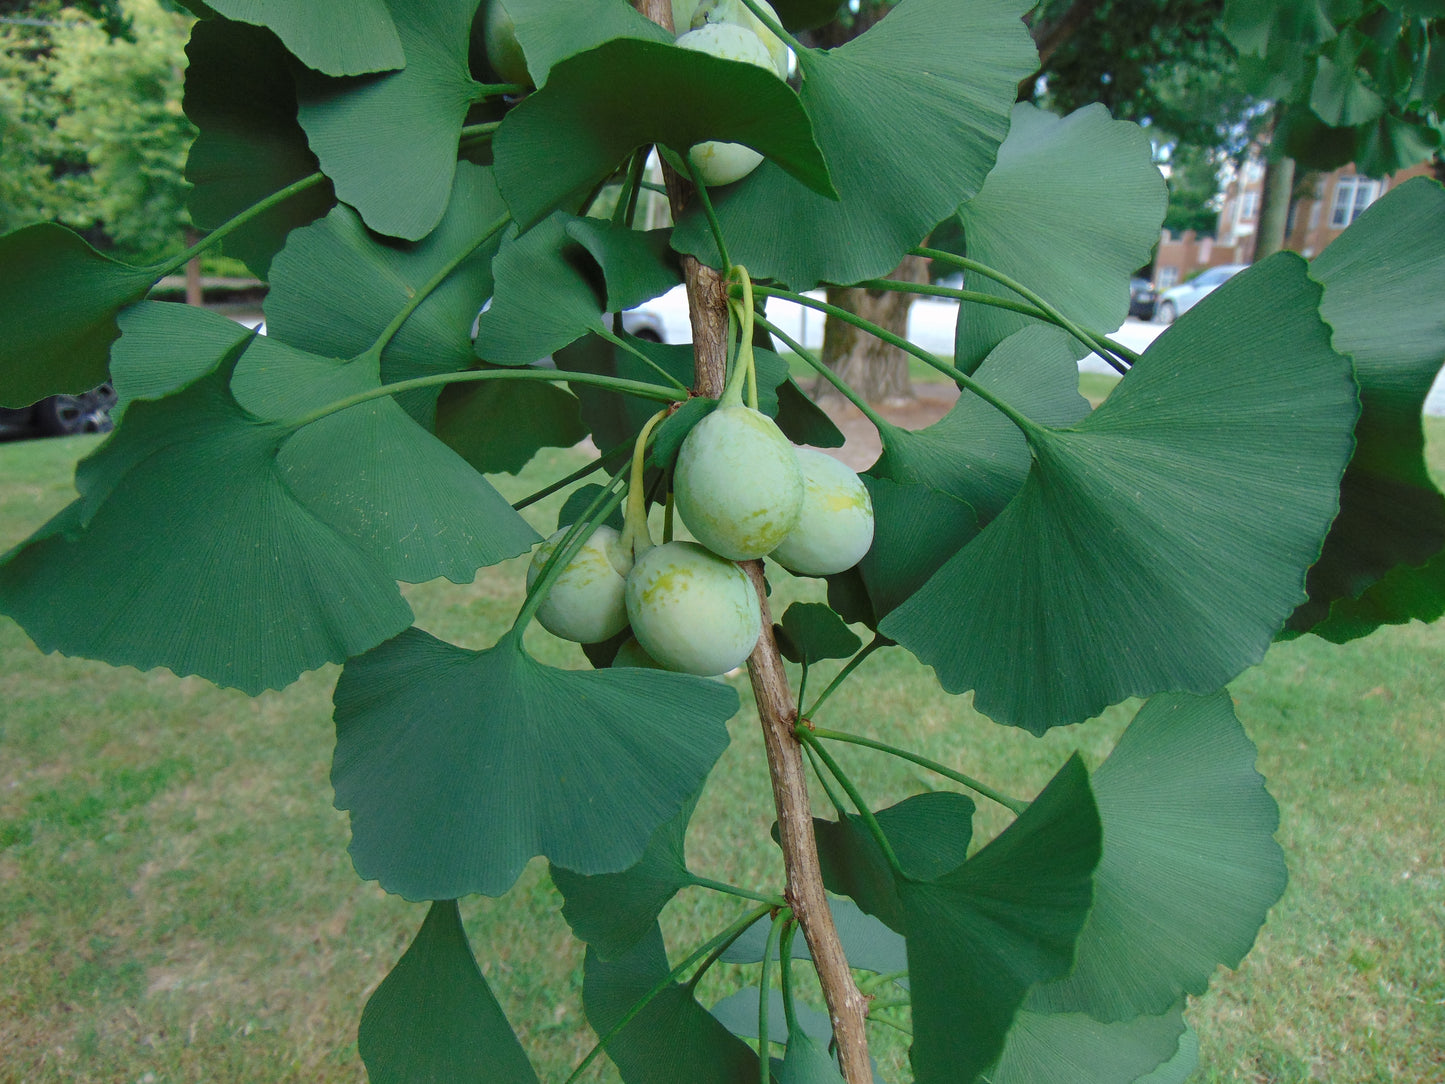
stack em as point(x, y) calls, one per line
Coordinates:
point(94, 132)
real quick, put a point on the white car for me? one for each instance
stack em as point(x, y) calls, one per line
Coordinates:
point(1185, 296)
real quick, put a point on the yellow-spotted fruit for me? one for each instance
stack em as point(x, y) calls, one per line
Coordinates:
point(691, 610)
point(738, 486)
point(835, 527)
point(702, 12)
point(586, 601)
point(718, 162)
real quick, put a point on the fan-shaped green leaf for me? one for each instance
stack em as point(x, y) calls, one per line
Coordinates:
point(389, 142)
point(458, 766)
point(336, 287)
point(1181, 1066)
point(239, 582)
point(376, 476)
point(973, 452)
point(614, 911)
point(1340, 98)
point(814, 632)
point(554, 282)
point(738, 1012)
point(1068, 1048)
point(338, 37)
point(1071, 209)
point(1007, 919)
point(478, 422)
point(549, 32)
point(909, 117)
point(164, 346)
point(434, 1017)
point(674, 1038)
point(929, 834)
point(241, 96)
point(1161, 542)
point(50, 270)
point(808, 1063)
point(601, 105)
point(1376, 275)
point(1190, 866)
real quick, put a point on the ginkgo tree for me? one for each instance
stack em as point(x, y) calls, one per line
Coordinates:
point(423, 226)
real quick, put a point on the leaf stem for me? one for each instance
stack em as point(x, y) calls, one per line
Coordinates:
point(785, 972)
point(826, 373)
point(775, 26)
point(879, 640)
point(442, 274)
point(961, 378)
point(636, 538)
point(1017, 805)
point(1087, 338)
point(892, 1024)
point(572, 542)
point(707, 209)
point(716, 946)
point(468, 376)
point(806, 736)
point(231, 226)
point(625, 346)
point(764, 998)
point(576, 476)
point(627, 196)
point(822, 777)
point(734, 890)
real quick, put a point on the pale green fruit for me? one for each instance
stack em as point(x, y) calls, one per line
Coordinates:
point(504, 53)
point(586, 602)
point(722, 163)
point(691, 610)
point(738, 486)
point(835, 528)
point(736, 12)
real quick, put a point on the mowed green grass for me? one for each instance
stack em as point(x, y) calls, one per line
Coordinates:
point(178, 905)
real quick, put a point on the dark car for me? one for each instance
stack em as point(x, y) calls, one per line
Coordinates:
point(1142, 299)
point(61, 415)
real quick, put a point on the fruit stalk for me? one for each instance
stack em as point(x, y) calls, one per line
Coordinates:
point(708, 303)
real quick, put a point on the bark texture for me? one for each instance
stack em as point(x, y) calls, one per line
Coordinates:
point(707, 299)
point(876, 370)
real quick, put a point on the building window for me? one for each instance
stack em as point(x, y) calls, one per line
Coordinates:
point(1352, 196)
point(1249, 205)
point(1168, 276)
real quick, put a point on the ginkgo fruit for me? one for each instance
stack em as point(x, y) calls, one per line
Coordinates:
point(585, 602)
point(691, 610)
point(835, 526)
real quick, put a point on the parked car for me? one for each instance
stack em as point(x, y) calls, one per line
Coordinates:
point(1186, 295)
point(1142, 298)
point(61, 415)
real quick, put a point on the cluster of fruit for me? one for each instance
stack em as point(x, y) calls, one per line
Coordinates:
point(744, 492)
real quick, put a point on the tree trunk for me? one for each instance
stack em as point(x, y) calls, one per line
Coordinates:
point(194, 294)
point(1275, 199)
point(876, 370)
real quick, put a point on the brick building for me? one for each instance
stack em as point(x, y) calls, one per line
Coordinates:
point(1324, 204)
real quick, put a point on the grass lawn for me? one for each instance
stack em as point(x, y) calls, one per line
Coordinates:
point(178, 905)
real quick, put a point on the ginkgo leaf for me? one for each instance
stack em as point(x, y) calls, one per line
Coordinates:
point(1173, 525)
point(434, 1017)
point(338, 37)
point(240, 583)
point(981, 936)
point(1391, 513)
point(549, 32)
point(164, 346)
point(1071, 209)
point(1190, 866)
point(1068, 1048)
point(389, 142)
point(459, 766)
point(673, 1038)
point(601, 105)
point(909, 116)
point(241, 97)
point(49, 269)
point(614, 911)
